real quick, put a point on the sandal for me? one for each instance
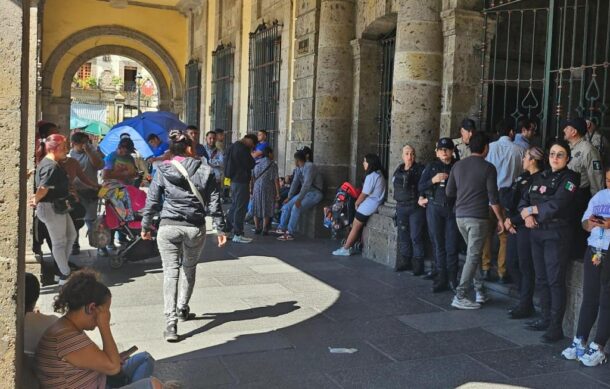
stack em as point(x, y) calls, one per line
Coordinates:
point(285, 238)
point(279, 232)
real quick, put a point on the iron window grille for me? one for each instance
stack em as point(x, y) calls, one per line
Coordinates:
point(193, 93)
point(384, 119)
point(221, 113)
point(547, 60)
point(264, 82)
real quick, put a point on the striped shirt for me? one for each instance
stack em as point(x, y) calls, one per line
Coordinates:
point(54, 372)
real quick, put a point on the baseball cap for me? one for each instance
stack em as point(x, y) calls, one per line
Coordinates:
point(128, 144)
point(445, 143)
point(578, 123)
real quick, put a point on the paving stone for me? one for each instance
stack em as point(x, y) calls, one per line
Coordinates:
point(183, 371)
point(403, 305)
point(561, 380)
point(525, 361)
point(599, 373)
point(444, 372)
point(274, 365)
point(314, 380)
point(430, 345)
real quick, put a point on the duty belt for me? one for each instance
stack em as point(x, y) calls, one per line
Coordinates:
point(554, 223)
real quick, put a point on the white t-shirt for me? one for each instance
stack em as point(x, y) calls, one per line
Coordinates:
point(374, 188)
point(599, 205)
point(35, 325)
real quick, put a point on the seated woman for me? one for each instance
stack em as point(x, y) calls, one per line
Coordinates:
point(373, 193)
point(67, 358)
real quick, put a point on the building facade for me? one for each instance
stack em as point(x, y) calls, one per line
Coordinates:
point(344, 77)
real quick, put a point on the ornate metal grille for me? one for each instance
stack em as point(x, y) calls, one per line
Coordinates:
point(545, 59)
point(388, 46)
point(221, 114)
point(193, 92)
point(264, 86)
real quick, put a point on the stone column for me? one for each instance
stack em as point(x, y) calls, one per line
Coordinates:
point(416, 108)
point(462, 34)
point(14, 50)
point(365, 128)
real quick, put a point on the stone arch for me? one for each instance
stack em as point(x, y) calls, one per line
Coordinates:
point(176, 86)
point(149, 64)
point(380, 26)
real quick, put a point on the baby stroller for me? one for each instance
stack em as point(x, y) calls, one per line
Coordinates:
point(340, 215)
point(122, 206)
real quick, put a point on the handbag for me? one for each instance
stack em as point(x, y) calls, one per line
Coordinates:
point(62, 205)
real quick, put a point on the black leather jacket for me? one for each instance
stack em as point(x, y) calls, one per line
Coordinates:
point(170, 195)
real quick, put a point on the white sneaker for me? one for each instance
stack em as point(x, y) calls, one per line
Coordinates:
point(575, 351)
point(482, 297)
point(241, 239)
point(464, 303)
point(593, 356)
point(342, 252)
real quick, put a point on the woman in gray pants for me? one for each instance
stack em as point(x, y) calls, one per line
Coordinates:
point(179, 191)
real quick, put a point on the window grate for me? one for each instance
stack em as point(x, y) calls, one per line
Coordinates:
point(222, 90)
point(193, 93)
point(388, 48)
point(264, 83)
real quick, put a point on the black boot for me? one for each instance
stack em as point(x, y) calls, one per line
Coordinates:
point(553, 334)
point(539, 325)
point(418, 266)
point(440, 283)
point(402, 263)
point(521, 312)
point(430, 275)
point(171, 333)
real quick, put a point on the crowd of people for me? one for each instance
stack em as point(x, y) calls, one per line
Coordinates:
point(545, 205)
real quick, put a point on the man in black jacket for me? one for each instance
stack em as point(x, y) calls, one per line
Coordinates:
point(238, 167)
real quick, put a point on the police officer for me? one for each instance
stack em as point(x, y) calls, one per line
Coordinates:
point(410, 216)
point(587, 163)
point(440, 214)
point(598, 140)
point(546, 210)
point(461, 149)
point(520, 259)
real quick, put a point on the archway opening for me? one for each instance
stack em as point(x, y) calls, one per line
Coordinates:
point(109, 89)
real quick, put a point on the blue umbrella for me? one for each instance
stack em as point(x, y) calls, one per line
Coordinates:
point(111, 141)
point(159, 123)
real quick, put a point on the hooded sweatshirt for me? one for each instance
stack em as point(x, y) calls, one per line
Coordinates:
point(170, 195)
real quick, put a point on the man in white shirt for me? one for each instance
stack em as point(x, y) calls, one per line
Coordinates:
point(507, 158)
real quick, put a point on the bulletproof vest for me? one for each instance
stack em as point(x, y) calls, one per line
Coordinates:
point(544, 186)
point(405, 183)
point(437, 193)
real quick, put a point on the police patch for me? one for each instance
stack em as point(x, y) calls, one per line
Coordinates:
point(597, 165)
point(542, 189)
point(570, 187)
point(534, 188)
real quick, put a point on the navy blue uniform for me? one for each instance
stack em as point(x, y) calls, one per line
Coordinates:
point(554, 194)
point(440, 214)
point(520, 264)
point(410, 217)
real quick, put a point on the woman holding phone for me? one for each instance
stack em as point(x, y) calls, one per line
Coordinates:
point(67, 358)
point(596, 283)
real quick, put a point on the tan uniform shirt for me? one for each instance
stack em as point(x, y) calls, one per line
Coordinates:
point(461, 148)
point(600, 143)
point(587, 162)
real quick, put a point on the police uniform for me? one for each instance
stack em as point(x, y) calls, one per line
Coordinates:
point(440, 215)
point(461, 150)
point(600, 142)
point(410, 218)
point(520, 249)
point(553, 193)
point(587, 163)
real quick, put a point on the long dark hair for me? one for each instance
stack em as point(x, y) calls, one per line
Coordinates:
point(178, 143)
point(374, 164)
point(83, 288)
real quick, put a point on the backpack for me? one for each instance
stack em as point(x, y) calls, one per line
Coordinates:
point(100, 234)
point(229, 168)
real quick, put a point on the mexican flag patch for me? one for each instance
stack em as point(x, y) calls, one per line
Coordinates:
point(570, 187)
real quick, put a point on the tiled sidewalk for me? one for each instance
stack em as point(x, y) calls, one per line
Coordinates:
point(268, 312)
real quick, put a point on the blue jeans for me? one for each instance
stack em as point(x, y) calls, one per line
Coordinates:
point(290, 213)
point(445, 237)
point(139, 366)
point(411, 222)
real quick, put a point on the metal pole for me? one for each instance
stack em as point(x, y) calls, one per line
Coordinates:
point(547, 68)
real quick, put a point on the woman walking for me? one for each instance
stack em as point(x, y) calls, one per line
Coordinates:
point(180, 191)
point(265, 191)
point(52, 204)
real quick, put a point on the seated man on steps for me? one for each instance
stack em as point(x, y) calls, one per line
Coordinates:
point(309, 180)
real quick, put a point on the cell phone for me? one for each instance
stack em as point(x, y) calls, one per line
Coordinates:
point(128, 353)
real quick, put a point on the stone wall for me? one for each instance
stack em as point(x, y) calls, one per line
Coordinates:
point(14, 48)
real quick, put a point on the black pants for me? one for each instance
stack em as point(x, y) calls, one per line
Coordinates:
point(445, 235)
point(411, 223)
point(595, 302)
point(521, 265)
point(240, 195)
point(550, 253)
point(579, 237)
